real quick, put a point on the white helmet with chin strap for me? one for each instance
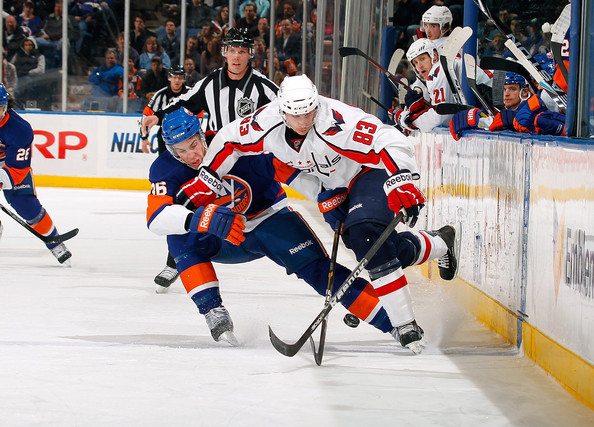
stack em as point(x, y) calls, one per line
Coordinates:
point(438, 15)
point(297, 95)
point(419, 47)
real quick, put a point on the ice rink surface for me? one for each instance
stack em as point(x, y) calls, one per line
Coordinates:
point(94, 345)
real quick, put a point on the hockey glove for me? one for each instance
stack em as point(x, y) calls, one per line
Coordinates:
point(550, 123)
point(199, 191)
point(526, 114)
point(402, 193)
point(218, 221)
point(330, 203)
point(504, 120)
point(471, 119)
point(403, 119)
point(415, 102)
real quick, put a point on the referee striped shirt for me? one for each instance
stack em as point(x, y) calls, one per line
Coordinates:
point(224, 99)
point(161, 98)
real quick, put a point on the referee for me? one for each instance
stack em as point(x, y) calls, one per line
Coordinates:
point(160, 100)
point(233, 91)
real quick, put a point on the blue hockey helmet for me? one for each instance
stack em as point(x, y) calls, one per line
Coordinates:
point(513, 78)
point(4, 96)
point(179, 126)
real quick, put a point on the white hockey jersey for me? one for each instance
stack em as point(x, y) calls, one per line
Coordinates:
point(343, 140)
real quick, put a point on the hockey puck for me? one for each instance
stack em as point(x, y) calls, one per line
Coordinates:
point(351, 320)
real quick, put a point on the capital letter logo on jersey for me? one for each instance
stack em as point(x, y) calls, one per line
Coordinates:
point(338, 120)
point(245, 107)
point(235, 195)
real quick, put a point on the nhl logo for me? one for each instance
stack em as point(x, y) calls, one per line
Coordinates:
point(245, 107)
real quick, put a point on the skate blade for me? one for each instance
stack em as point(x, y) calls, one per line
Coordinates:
point(229, 338)
point(415, 347)
point(161, 289)
point(67, 263)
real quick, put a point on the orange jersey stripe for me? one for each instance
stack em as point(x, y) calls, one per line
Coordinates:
point(197, 275)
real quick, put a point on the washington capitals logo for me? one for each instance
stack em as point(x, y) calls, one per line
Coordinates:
point(434, 75)
point(254, 123)
point(338, 120)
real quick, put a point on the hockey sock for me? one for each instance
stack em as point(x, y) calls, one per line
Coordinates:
point(428, 247)
point(391, 287)
point(202, 285)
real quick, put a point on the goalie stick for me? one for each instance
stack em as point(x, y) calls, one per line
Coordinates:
point(449, 52)
point(523, 56)
point(496, 63)
point(470, 64)
point(291, 350)
point(59, 238)
point(320, 353)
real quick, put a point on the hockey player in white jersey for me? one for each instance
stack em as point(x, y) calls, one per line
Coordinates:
point(365, 172)
point(437, 24)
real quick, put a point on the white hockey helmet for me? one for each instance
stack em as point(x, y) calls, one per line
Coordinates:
point(438, 15)
point(419, 47)
point(297, 95)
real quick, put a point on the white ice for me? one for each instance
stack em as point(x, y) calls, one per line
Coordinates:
point(94, 345)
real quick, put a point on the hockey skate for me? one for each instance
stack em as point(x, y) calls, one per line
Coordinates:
point(165, 278)
point(410, 336)
point(62, 254)
point(221, 326)
point(448, 264)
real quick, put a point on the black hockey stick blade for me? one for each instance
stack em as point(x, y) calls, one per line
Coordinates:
point(291, 350)
point(446, 108)
point(496, 63)
point(59, 238)
point(319, 354)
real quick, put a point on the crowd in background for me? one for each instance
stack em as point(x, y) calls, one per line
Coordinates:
point(33, 41)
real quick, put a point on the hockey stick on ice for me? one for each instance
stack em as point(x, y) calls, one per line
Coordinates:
point(59, 238)
point(320, 353)
point(523, 56)
point(495, 63)
point(449, 52)
point(470, 64)
point(291, 350)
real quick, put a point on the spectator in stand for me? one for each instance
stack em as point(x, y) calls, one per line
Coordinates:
point(156, 78)
point(497, 47)
point(50, 36)
point(517, 29)
point(262, 6)
point(30, 67)
point(152, 48)
point(134, 82)
point(250, 20)
point(545, 47)
point(264, 30)
point(84, 14)
point(132, 53)
point(288, 12)
point(289, 44)
point(535, 38)
point(192, 76)
point(221, 21)
point(199, 13)
point(9, 74)
point(259, 58)
point(106, 78)
point(407, 15)
point(211, 58)
point(139, 35)
point(170, 41)
point(206, 35)
point(192, 51)
point(28, 19)
point(13, 36)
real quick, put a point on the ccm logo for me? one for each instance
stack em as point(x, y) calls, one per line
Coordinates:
point(67, 141)
point(206, 217)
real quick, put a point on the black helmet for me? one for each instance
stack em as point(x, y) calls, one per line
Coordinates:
point(177, 70)
point(238, 37)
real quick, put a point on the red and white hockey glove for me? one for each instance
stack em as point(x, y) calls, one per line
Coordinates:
point(199, 191)
point(415, 102)
point(218, 221)
point(402, 193)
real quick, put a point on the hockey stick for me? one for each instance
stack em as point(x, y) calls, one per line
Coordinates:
point(449, 52)
point(558, 31)
point(495, 63)
point(523, 56)
point(59, 238)
point(470, 64)
point(371, 98)
point(446, 108)
point(320, 353)
point(395, 61)
point(291, 350)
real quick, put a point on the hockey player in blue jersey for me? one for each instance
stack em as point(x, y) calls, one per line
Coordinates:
point(16, 175)
point(249, 220)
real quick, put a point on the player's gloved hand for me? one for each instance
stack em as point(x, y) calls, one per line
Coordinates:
point(503, 120)
point(402, 193)
point(218, 221)
point(470, 119)
point(414, 101)
point(403, 119)
point(550, 123)
point(526, 114)
point(199, 191)
point(330, 203)
point(391, 112)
